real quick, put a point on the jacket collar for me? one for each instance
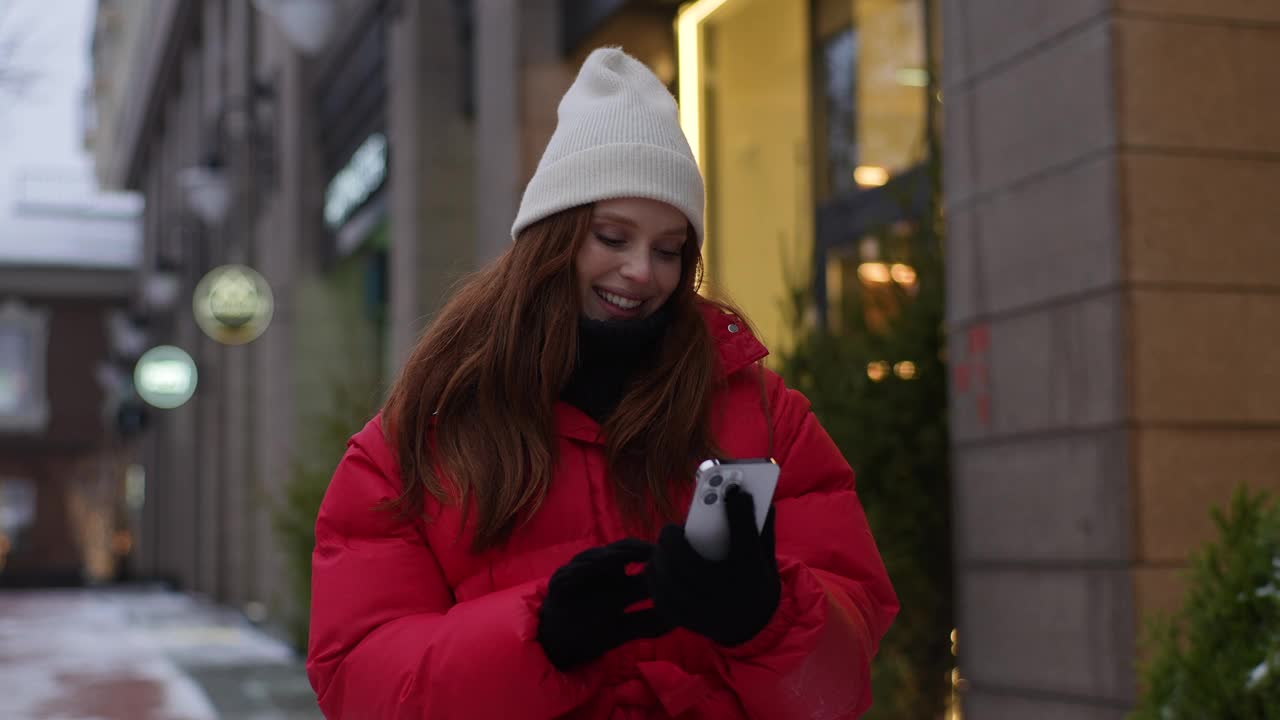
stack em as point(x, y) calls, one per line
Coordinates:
point(738, 348)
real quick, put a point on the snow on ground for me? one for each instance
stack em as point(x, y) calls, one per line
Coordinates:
point(116, 655)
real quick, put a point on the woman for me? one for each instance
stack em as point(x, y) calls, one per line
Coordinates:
point(503, 540)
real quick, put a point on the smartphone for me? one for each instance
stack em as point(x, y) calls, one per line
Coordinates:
point(707, 525)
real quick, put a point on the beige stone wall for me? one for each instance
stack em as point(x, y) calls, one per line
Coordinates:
point(1199, 132)
point(1113, 299)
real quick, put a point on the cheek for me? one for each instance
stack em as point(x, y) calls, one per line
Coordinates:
point(582, 267)
point(668, 277)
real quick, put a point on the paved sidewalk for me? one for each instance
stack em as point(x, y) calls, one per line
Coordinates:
point(132, 654)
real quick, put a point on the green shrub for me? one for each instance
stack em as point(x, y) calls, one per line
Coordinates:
point(1219, 656)
point(322, 442)
point(894, 433)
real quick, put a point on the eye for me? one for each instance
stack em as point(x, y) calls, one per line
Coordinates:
point(608, 239)
point(669, 254)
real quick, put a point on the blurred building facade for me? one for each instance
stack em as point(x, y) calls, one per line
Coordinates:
point(334, 148)
point(67, 262)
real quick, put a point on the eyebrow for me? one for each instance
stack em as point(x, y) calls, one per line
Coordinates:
point(682, 231)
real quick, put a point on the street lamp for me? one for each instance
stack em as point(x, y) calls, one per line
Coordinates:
point(207, 191)
point(208, 186)
point(306, 24)
point(127, 337)
point(160, 290)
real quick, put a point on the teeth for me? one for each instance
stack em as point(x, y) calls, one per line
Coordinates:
point(618, 300)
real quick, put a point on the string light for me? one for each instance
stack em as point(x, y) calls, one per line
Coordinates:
point(870, 175)
point(878, 370)
point(905, 370)
point(875, 273)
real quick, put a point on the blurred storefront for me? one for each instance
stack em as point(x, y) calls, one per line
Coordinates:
point(810, 120)
point(258, 132)
point(67, 258)
point(333, 148)
point(341, 337)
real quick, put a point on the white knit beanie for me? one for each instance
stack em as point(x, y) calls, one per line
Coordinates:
point(618, 135)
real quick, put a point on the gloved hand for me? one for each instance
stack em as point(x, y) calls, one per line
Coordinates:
point(584, 613)
point(729, 601)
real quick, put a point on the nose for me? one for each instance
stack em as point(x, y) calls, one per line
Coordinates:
point(637, 266)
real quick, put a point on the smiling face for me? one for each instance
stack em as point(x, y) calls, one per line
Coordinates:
point(630, 263)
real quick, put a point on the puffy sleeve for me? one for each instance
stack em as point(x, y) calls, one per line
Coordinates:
point(813, 660)
point(387, 638)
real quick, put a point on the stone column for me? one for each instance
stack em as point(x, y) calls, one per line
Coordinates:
point(235, 541)
point(496, 58)
point(432, 230)
point(289, 222)
point(185, 474)
point(1112, 300)
point(1199, 168)
point(544, 78)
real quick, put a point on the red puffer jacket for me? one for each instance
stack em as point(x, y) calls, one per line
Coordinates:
point(407, 623)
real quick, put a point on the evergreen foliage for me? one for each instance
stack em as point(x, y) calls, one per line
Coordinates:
point(1219, 655)
point(890, 421)
point(323, 441)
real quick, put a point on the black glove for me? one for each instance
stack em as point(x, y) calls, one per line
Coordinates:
point(584, 613)
point(729, 601)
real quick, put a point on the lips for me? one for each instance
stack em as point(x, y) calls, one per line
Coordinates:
point(618, 304)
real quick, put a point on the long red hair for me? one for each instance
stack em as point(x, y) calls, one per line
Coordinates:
point(472, 414)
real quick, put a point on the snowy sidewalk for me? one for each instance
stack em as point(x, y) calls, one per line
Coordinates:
point(119, 654)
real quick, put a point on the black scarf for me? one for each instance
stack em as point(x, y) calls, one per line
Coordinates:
point(610, 354)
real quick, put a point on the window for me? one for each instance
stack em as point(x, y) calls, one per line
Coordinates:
point(754, 136)
point(17, 514)
point(871, 66)
point(23, 340)
point(837, 71)
point(799, 111)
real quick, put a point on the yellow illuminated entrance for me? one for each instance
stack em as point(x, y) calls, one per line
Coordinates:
point(785, 113)
point(744, 94)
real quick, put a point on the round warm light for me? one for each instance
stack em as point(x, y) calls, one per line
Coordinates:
point(233, 304)
point(903, 274)
point(905, 370)
point(874, 273)
point(878, 370)
point(870, 175)
point(121, 542)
